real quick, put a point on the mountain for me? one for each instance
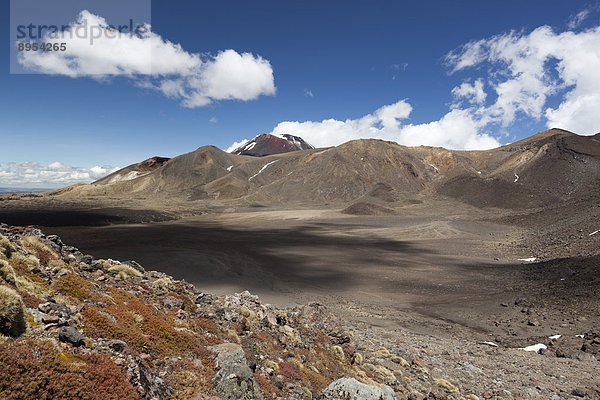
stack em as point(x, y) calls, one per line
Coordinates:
point(267, 144)
point(549, 167)
point(134, 171)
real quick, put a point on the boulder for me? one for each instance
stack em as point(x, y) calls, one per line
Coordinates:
point(234, 379)
point(68, 334)
point(351, 389)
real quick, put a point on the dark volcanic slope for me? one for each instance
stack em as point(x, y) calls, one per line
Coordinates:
point(266, 145)
point(547, 168)
point(550, 167)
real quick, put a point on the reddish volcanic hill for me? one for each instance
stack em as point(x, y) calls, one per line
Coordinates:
point(134, 171)
point(267, 144)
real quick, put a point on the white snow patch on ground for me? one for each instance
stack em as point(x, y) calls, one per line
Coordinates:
point(131, 175)
point(593, 233)
point(516, 178)
point(580, 336)
point(262, 169)
point(554, 337)
point(535, 347)
point(530, 259)
point(434, 167)
point(296, 143)
point(229, 168)
point(293, 140)
point(479, 172)
point(250, 146)
point(490, 344)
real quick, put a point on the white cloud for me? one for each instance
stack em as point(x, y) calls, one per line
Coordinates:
point(56, 174)
point(526, 69)
point(459, 129)
point(56, 166)
point(235, 145)
point(213, 120)
point(400, 67)
point(154, 62)
point(467, 56)
point(308, 93)
point(576, 20)
point(100, 171)
point(230, 76)
point(472, 93)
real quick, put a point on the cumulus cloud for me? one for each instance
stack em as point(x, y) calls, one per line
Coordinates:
point(153, 62)
point(235, 145)
point(56, 174)
point(525, 70)
point(471, 92)
point(458, 129)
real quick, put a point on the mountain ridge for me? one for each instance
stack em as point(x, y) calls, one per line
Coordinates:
point(553, 165)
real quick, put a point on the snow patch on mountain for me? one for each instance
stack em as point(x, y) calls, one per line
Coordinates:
point(262, 169)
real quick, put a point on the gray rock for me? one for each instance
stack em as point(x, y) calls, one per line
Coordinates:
point(152, 386)
point(531, 392)
point(88, 267)
point(71, 335)
point(351, 389)
point(582, 356)
point(56, 308)
point(50, 319)
point(55, 239)
point(172, 303)
point(204, 298)
point(234, 379)
point(70, 250)
point(87, 259)
point(472, 369)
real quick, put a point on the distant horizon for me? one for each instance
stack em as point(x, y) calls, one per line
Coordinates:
point(16, 189)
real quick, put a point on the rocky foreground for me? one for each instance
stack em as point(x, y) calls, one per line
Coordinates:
point(72, 326)
point(77, 327)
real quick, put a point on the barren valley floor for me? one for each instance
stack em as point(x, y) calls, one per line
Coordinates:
point(419, 272)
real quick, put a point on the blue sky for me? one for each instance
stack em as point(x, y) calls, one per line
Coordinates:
point(341, 60)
